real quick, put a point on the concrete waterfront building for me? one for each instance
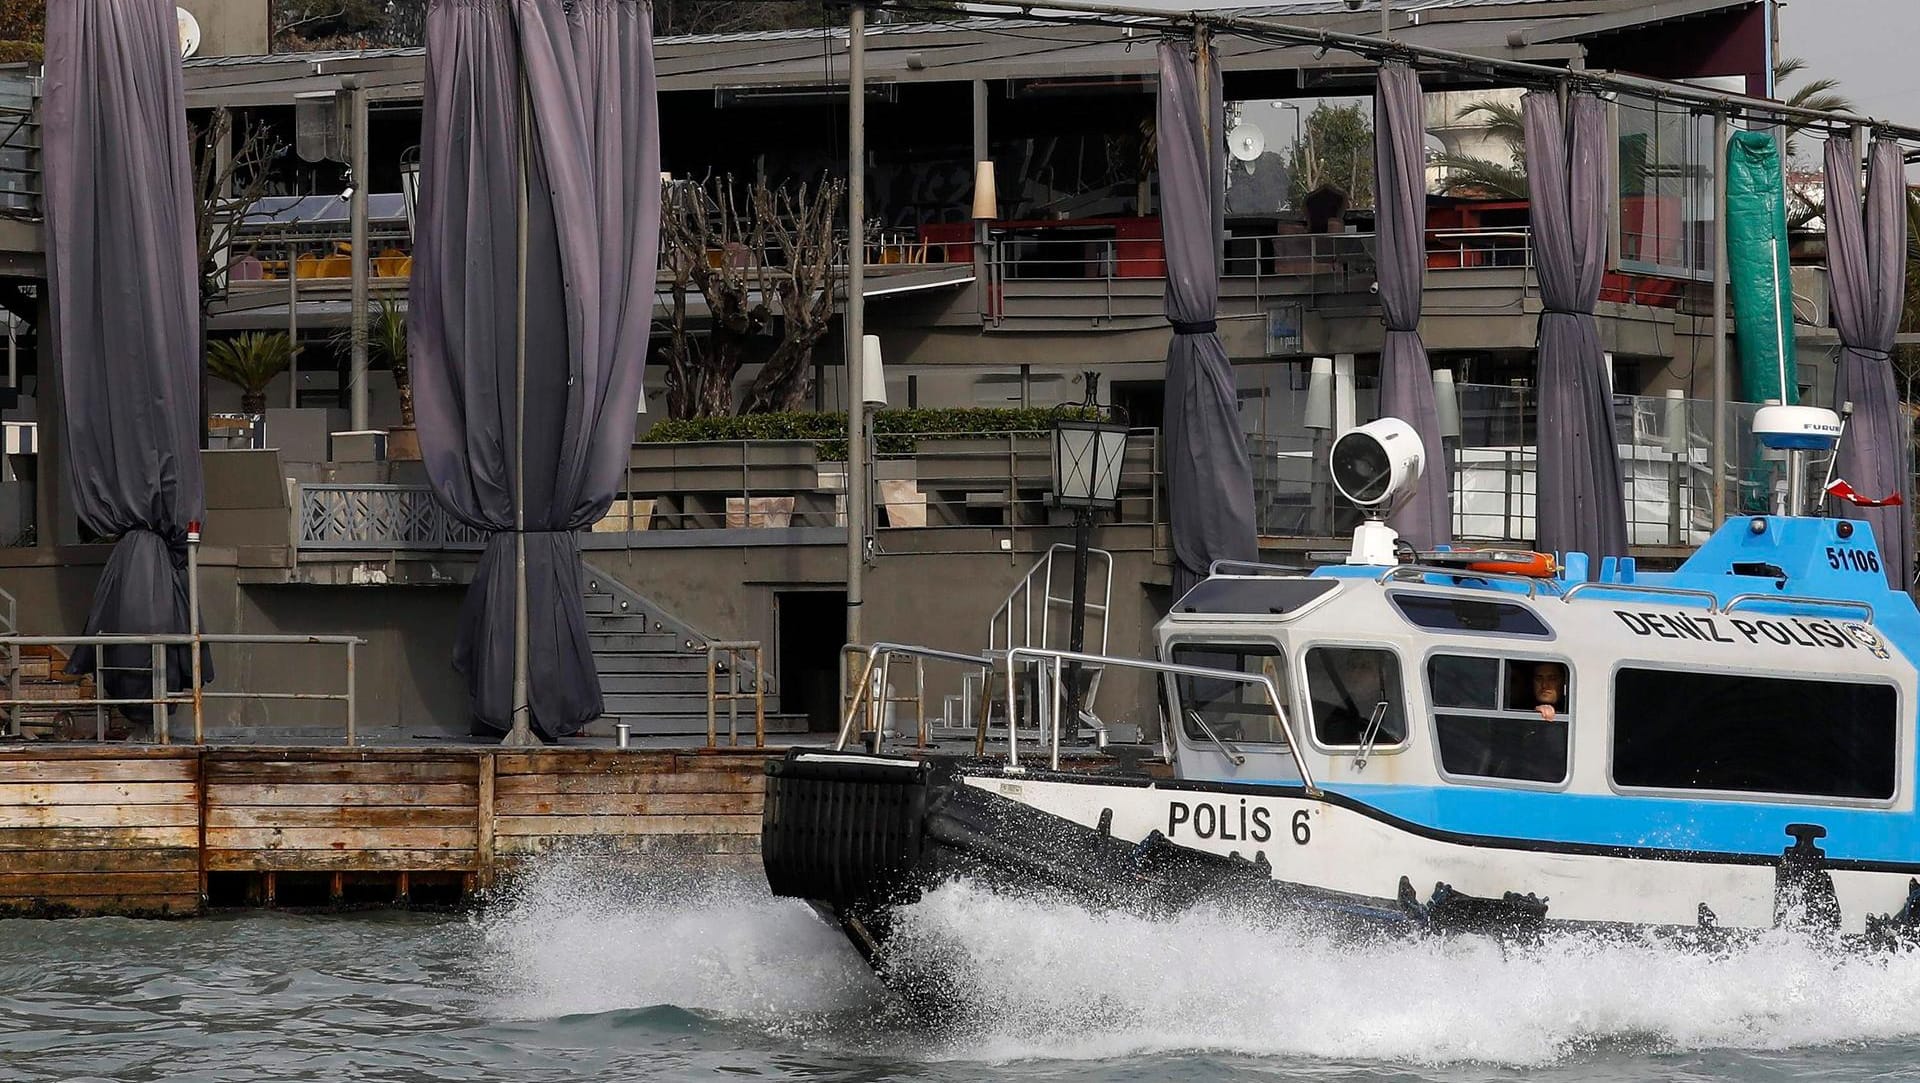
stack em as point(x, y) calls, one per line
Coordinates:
point(316, 524)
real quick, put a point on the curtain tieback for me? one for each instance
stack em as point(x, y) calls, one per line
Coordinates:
point(1869, 352)
point(1552, 311)
point(1194, 327)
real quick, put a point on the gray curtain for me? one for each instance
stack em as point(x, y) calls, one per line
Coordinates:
point(126, 312)
point(1867, 262)
point(594, 194)
point(1209, 480)
point(1406, 379)
point(1581, 506)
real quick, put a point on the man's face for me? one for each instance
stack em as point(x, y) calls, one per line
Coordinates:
point(1547, 684)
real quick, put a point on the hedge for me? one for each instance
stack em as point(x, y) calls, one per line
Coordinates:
point(894, 430)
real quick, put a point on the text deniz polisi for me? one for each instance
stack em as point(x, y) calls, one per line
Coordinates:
point(1739, 631)
point(1228, 821)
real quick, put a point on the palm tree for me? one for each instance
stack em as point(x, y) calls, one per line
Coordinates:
point(1469, 175)
point(387, 343)
point(250, 361)
point(1820, 94)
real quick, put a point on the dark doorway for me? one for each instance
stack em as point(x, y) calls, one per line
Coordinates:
point(812, 626)
point(1144, 401)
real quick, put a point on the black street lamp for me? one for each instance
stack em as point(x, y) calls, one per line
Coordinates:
point(1089, 446)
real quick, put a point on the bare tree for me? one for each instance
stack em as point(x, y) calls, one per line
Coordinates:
point(765, 264)
point(714, 248)
point(802, 225)
point(224, 186)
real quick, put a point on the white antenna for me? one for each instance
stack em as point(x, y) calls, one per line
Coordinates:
point(189, 32)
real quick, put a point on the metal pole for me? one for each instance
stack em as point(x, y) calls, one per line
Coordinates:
point(358, 209)
point(1077, 635)
point(1721, 380)
point(1386, 18)
point(520, 735)
point(293, 322)
point(193, 628)
point(855, 323)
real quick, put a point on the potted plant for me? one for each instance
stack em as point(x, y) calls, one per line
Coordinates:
point(387, 344)
point(250, 361)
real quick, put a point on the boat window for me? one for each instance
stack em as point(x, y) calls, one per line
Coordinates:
point(1505, 718)
point(1452, 613)
point(1348, 685)
point(1718, 731)
point(1236, 711)
point(1264, 596)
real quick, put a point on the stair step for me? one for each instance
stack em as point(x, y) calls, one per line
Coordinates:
point(650, 703)
point(612, 662)
point(626, 622)
point(686, 684)
point(666, 725)
point(640, 642)
point(597, 603)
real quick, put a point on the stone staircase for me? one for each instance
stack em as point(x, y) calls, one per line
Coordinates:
point(653, 670)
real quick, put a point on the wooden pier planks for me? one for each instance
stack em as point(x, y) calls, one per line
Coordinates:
point(340, 810)
point(678, 803)
point(136, 830)
point(100, 831)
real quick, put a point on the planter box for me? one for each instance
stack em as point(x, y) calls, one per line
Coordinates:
point(732, 466)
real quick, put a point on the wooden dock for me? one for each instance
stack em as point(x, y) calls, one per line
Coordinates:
point(168, 831)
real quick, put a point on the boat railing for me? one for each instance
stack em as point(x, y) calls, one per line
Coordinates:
point(866, 705)
point(1865, 608)
point(1048, 663)
point(1707, 596)
point(1255, 568)
point(1420, 571)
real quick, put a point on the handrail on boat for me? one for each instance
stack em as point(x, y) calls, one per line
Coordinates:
point(881, 655)
point(1406, 571)
point(1712, 600)
point(1050, 714)
point(1258, 567)
point(1866, 608)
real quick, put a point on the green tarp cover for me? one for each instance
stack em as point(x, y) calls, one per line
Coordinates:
point(1757, 267)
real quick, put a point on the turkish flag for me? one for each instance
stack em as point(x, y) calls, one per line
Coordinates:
point(1841, 489)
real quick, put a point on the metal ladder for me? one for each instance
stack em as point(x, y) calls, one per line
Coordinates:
point(1038, 612)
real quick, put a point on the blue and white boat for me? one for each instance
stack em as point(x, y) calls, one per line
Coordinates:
point(1433, 741)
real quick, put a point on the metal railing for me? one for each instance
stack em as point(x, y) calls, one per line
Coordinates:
point(21, 185)
point(735, 650)
point(867, 698)
point(1052, 699)
point(379, 517)
point(161, 699)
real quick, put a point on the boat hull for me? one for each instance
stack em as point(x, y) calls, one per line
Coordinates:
point(861, 835)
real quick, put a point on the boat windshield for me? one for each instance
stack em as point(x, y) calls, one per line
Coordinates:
point(1234, 711)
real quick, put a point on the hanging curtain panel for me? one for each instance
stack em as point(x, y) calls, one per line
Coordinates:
point(1209, 478)
point(593, 240)
point(1581, 506)
point(126, 310)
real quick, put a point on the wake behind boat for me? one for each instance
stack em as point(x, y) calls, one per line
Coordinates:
point(1453, 741)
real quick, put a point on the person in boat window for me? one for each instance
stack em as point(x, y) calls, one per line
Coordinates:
point(1348, 684)
point(1549, 689)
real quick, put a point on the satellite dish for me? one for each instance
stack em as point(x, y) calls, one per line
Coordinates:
point(189, 32)
point(1246, 142)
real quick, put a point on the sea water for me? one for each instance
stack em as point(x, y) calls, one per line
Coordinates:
point(578, 973)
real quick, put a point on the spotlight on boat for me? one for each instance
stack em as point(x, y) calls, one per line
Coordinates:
point(1377, 466)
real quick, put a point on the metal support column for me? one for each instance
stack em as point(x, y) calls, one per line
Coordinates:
point(855, 324)
point(357, 400)
point(1721, 380)
point(521, 732)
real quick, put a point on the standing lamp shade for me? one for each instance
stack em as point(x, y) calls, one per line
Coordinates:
point(1087, 457)
point(410, 184)
point(1319, 412)
point(1446, 404)
point(986, 201)
point(873, 372)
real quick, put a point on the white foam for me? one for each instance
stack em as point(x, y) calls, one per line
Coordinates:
point(1037, 979)
point(573, 937)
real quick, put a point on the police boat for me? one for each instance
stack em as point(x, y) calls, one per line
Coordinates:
point(1478, 740)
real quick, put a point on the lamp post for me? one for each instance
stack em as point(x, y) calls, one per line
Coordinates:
point(1089, 446)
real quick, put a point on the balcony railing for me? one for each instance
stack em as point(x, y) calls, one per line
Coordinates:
point(20, 183)
point(379, 517)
